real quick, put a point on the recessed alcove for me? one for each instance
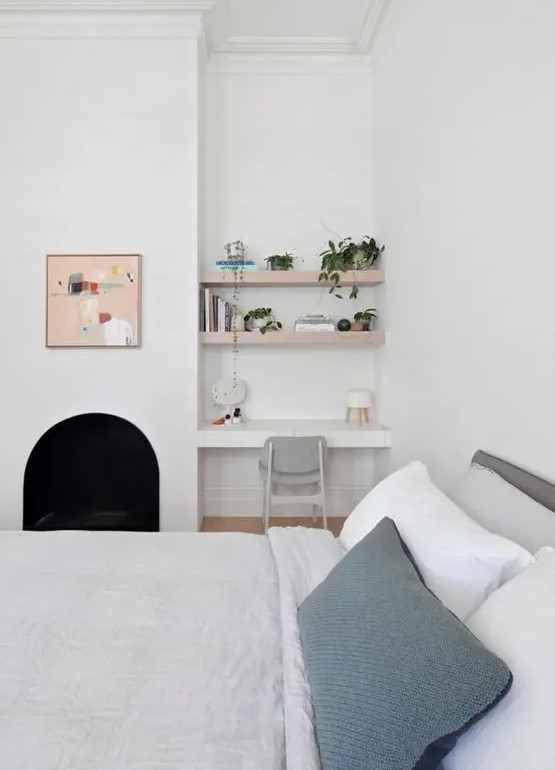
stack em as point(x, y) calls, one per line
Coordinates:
point(93, 472)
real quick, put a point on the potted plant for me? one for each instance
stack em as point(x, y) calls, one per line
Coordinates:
point(363, 320)
point(280, 261)
point(348, 256)
point(235, 251)
point(263, 320)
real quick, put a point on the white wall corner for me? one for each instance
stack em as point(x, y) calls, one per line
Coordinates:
point(103, 19)
point(371, 24)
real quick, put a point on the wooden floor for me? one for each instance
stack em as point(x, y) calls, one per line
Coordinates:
point(254, 524)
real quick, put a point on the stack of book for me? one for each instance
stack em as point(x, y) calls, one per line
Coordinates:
point(314, 323)
point(214, 313)
point(237, 264)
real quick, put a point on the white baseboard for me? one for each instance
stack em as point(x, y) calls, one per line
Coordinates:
point(247, 501)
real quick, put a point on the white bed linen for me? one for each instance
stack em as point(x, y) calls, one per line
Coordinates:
point(303, 558)
point(132, 651)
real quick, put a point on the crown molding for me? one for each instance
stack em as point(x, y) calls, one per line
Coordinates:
point(371, 24)
point(46, 6)
point(279, 63)
point(217, 25)
point(103, 19)
point(287, 45)
point(171, 19)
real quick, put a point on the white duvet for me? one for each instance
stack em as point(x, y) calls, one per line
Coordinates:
point(132, 651)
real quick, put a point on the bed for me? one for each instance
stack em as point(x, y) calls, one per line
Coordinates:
point(134, 651)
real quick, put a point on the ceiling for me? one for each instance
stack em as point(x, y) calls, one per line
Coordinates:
point(346, 26)
point(233, 26)
point(297, 18)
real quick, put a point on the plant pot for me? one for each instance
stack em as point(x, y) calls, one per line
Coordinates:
point(357, 326)
point(278, 266)
point(255, 324)
point(360, 261)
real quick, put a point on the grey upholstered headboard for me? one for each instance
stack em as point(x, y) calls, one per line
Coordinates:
point(541, 491)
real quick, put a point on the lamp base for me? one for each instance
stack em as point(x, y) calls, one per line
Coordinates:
point(363, 414)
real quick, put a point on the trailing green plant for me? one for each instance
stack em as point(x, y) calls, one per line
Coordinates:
point(366, 316)
point(235, 251)
point(348, 256)
point(265, 315)
point(280, 261)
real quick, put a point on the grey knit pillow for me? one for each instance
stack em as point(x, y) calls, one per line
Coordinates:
point(395, 677)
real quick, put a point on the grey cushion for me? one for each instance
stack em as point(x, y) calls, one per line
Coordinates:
point(395, 677)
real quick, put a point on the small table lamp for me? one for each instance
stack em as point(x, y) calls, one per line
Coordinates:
point(360, 400)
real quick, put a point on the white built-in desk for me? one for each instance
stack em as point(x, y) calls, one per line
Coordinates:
point(252, 434)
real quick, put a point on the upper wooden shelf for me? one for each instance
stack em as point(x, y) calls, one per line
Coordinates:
point(260, 278)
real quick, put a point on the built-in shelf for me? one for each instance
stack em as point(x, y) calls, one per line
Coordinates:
point(269, 278)
point(253, 433)
point(293, 338)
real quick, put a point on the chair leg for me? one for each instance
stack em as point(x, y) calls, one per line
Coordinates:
point(323, 486)
point(268, 489)
point(324, 510)
point(264, 507)
point(314, 514)
point(267, 504)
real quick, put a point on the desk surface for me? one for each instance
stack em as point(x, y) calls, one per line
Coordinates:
point(253, 433)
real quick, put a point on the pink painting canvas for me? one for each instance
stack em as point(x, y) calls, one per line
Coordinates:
point(93, 300)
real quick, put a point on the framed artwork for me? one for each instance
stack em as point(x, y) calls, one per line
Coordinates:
point(93, 300)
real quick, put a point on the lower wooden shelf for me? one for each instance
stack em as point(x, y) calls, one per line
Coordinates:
point(252, 434)
point(293, 338)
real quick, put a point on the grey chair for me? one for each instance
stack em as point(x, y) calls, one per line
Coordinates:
point(294, 461)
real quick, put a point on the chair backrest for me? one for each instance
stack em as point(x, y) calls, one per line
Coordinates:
point(294, 454)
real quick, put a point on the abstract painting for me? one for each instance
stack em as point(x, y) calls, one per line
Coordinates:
point(93, 301)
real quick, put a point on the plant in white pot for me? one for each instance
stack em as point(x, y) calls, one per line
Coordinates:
point(235, 251)
point(281, 261)
point(348, 256)
point(263, 320)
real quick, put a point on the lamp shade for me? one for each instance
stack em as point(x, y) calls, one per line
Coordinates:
point(359, 399)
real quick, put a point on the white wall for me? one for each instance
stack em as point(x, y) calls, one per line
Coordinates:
point(98, 153)
point(464, 115)
point(288, 161)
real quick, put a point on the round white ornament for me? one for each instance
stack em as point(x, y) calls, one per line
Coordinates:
point(228, 393)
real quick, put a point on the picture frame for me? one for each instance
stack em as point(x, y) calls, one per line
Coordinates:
point(93, 300)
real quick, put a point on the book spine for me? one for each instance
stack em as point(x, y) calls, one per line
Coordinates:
point(202, 314)
point(207, 310)
point(221, 315)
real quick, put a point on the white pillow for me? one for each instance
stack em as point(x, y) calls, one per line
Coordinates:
point(517, 623)
point(461, 562)
point(502, 508)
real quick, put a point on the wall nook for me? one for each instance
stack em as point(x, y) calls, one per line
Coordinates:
point(95, 472)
